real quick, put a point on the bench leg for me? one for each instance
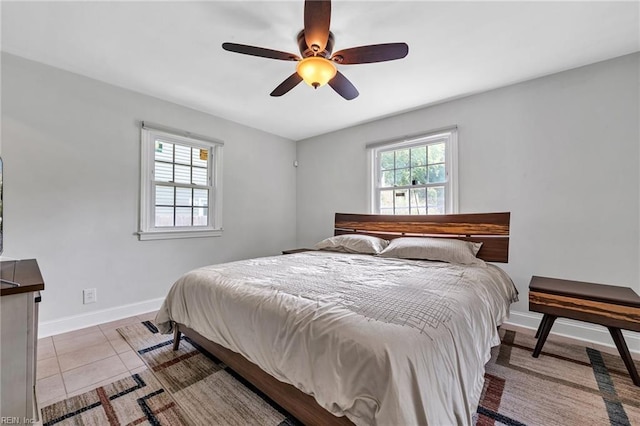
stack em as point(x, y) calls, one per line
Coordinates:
point(618, 339)
point(541, 326)
point(176, 337)
point(545, 328)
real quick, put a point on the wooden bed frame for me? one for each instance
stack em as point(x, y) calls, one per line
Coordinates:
point(492, 229)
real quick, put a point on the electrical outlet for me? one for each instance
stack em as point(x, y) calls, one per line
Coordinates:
point(89, 295)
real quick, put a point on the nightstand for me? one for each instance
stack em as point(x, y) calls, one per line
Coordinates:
point(614, 307)
point(298, 250)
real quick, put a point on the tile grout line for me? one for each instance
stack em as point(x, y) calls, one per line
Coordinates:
point(115, 353)
point(95, 385)
point(133, 350)
point(102, 332)
point(89, 346)
point(64, 385)
point(90, 384)
point(64, 382)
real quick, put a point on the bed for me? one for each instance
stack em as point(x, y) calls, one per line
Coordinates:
point(344, 338)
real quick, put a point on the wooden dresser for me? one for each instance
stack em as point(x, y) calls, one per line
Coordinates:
point(19, 339)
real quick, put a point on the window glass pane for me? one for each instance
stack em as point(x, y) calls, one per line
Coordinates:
point(163, 151)
point(402, 177)
point(183, 174)
point(199, 217)
point(183, 196)
point(386, 200)
point(164, 195)
point(418, 201)
point(402, 158)
point(386, 160)
point(436, 174)
point(435, 199)
point(413, 168)
point(387, 178)
point(199, 176)
point(419, 156)
point(183, 216)
point(436, 153)
point(418, 175)
point(201, 197)
point(163, 172)
point(183, 154)
point(199, 157)
point(182, 189)
point(402, 201)
point(164, 216)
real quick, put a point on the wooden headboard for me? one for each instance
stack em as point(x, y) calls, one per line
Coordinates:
point(491, 229)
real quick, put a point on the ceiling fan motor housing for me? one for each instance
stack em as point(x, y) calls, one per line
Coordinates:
point(307, 51)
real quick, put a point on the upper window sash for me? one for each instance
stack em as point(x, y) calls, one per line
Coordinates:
point(434, 141)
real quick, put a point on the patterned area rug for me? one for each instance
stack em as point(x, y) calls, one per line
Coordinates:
point(568, 385)
point(138, 399)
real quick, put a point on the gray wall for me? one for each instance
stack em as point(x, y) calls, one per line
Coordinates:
point(561, 153)
point(71, 150)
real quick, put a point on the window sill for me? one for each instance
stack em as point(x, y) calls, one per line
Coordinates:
point(168, 235)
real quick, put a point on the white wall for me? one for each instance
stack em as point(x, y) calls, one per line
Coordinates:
point(561, 153)
point(71, 150)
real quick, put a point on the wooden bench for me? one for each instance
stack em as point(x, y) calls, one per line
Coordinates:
point(613, 307)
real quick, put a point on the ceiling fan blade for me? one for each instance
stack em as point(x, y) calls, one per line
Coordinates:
point(291, 82)
point(317, 19)
point(343, 86)
point(259, 51)
point(371, 53)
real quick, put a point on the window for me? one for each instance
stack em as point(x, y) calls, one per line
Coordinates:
point(415, 176)
point(181, 185)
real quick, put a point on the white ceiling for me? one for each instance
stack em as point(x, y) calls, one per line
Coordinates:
point(171, 50)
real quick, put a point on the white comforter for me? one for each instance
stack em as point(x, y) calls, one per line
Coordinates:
point(382, 341)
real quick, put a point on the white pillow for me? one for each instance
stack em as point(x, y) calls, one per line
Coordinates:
point(442, 249)
point(353, 244)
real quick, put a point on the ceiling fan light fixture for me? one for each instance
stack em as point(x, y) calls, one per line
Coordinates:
point(316, 65)
point(316, 71)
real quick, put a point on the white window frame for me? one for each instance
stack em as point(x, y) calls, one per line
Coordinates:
point(448, 135)
point(148, 230)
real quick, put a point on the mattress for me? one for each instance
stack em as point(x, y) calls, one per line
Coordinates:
point(382, 341)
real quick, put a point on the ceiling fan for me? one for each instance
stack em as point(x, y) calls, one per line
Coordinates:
point(316, 65)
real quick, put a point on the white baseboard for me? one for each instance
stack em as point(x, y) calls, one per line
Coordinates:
point(586, 332)
point(75, 322)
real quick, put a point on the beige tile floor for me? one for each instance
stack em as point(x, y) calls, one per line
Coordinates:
point(73, 363)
